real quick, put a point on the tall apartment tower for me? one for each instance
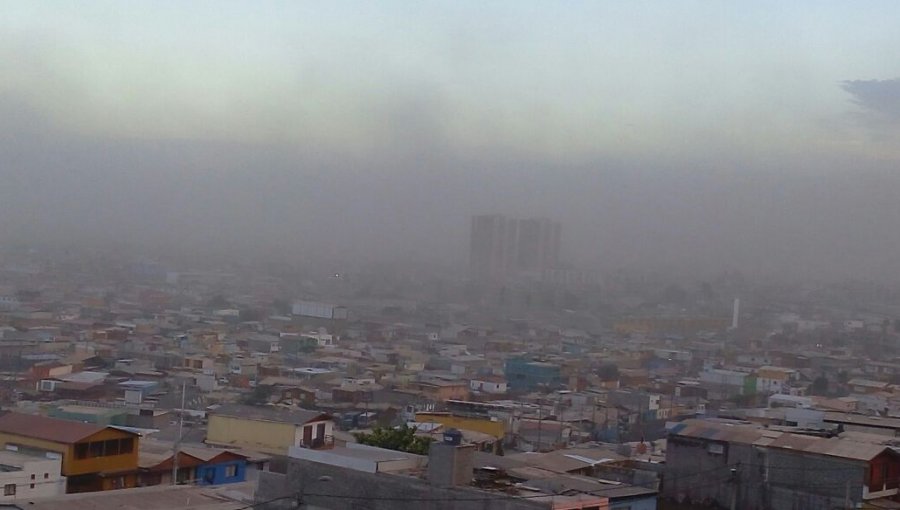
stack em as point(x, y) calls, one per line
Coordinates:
point(489, 247)
point(538, 244)
point(501, 246)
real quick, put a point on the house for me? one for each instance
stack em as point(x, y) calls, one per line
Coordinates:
point(483, 424)
point(24, 477)
point(196, 464)
point(865, 387)
point(94, 458)
point(877, 425)
point(717, 460)
point(269, 429)
point(524, 374)
point(490, 384)
point(439, 390)
point(196, 362)
point(771, 379)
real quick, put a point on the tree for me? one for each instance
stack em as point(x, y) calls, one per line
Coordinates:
point(820, 386)
point(260, 395)
point(402, 439)
point(608, 372)
point(251, 314)
point(281, 306)
point(218, 301)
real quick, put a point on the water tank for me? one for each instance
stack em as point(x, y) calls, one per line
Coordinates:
point(453, 437)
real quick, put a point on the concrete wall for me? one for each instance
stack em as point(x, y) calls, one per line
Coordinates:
point(265, 436)
point(450, 465)
point(355, 490)
point(767, 478)
point(40, 487)
point(700, 470)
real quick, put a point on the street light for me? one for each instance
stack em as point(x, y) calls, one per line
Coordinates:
point(323, 478)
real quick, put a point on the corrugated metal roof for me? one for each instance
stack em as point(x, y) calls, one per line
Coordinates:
point(48, 429)
point(749, 434)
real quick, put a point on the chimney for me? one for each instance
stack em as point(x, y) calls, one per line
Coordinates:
point(451, 463)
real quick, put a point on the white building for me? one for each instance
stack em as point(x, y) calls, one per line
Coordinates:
point(488, 385)
point(771, 379)
point(25, 477)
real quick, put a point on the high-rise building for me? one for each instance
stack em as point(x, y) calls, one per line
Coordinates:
point(501, 246)
point(489, 247)
point(538, 243)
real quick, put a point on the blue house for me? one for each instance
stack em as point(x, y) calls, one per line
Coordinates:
point(523, 374)
point(196, 465)
point(217, 466)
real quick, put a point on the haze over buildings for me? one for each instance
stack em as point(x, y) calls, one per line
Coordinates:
point(685, 139)
point(504, 247)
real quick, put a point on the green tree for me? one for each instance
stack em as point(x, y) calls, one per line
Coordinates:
point(820, 386)
point(402, 439)
point(218, 301)
point(608, 372)
point(260, 395)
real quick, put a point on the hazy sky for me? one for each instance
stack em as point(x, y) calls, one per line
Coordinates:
point(679, 135)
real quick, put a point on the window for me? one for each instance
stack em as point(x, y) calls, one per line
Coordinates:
point(231, 471)
point(81, 450)
point(111, 447)
point(95, 449)
point(32, 486)
point(32, 477)
point(126, 445)
point(9, 489)
point(46, 476)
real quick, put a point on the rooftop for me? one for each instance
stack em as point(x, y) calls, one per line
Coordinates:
point(269, 413)
point(745, 433)
point(162, 497)
point(48, 429)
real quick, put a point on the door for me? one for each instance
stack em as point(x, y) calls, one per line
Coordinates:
point(320, 434)
point(307, 435)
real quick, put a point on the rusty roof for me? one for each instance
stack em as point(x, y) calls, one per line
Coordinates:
point(749, 434)
point(48, 429)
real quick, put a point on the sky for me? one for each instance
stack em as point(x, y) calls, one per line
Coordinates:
point(675, 136)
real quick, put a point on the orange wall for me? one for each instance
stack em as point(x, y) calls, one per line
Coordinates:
point(72, 466)
point(123, 462)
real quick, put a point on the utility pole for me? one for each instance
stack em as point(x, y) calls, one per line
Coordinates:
point(177, 444)
point(847, 494)
point(735, 483)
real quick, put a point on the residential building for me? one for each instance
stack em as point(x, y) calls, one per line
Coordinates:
point(93, 457)
point(501, 247)
point(717, 460)
point(771, 379)
point(196, 465)
point(490, 385)
point(269, 429)
point(524, 374)
point(26, 477)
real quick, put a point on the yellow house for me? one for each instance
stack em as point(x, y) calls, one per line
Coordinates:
point(269, 429)
point(94, 458)
point(448, 420)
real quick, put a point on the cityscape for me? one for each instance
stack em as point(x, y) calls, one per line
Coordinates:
point(449, 256)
